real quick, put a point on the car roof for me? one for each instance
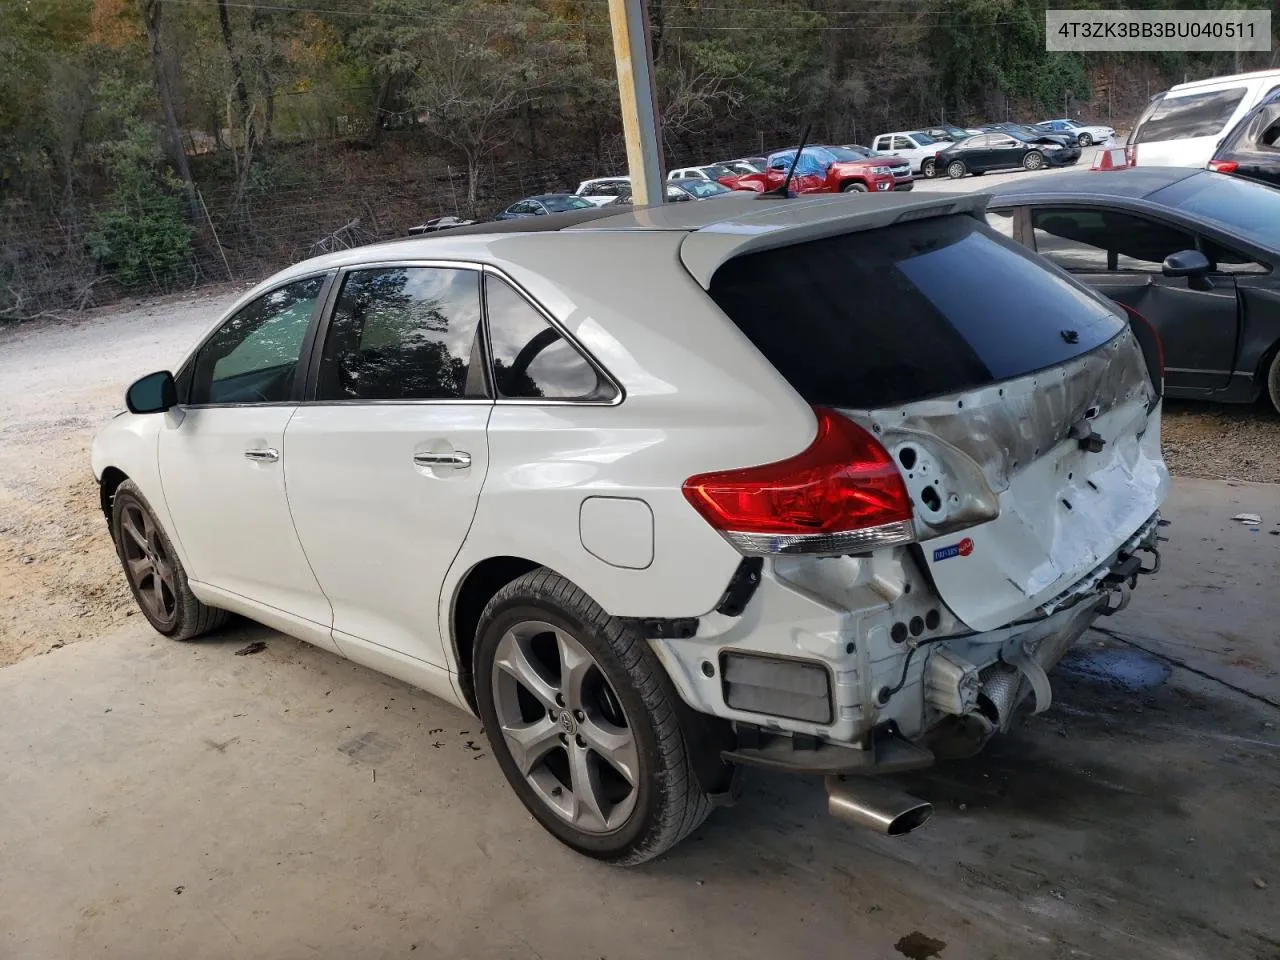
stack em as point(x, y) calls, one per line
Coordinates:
point(547, 196)
point(736, 223)
point(1231, 78)
point(1134, 183)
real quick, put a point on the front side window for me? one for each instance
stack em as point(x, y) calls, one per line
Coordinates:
point(403, 333)
point(1195, 115)
point(252, 358)
point(1101, 241)
point(531, 360)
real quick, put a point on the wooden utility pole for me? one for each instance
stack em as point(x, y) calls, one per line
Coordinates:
point(634, 56)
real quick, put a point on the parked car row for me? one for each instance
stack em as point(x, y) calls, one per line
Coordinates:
point(957, 151)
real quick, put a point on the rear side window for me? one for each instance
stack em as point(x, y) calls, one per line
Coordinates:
point(1195, 115)
point(531, 360)
point(914, 310)
point(403, 333)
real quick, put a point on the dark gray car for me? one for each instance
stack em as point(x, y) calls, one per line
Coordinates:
point(1191, 251)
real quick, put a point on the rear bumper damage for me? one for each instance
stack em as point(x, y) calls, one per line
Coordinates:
point(879, 704)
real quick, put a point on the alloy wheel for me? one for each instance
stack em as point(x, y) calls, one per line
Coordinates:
point(148, 565)
point(956, 170)
point(564, 727)
point(1033, 161)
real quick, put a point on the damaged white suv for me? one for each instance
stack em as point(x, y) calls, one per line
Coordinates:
point(803, 483)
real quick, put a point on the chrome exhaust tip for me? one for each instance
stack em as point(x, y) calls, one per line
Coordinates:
point(864, 802)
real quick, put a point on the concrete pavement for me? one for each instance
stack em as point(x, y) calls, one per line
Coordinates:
point(176, 800)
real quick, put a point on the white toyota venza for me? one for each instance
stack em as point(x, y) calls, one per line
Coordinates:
point(822, 485)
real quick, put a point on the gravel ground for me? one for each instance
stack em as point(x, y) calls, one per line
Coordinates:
point(1222, 441)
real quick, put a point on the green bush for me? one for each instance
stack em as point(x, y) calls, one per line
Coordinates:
point(138, 236)
point(141, 240)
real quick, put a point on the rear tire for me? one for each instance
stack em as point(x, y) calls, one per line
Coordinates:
point(854, 188)
point(1033, 160)
point(571, 698)
point(1273, 382)
point(929, 168)
point(154, 572)
point(956, 169)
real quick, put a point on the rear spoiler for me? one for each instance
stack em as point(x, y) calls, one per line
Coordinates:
point(802, 219)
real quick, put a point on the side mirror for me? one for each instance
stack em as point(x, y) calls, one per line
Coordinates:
point(1186, 263)
point(1191, 264)
point(154, 393)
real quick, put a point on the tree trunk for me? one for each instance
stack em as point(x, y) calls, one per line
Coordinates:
point(242, 92)
point(151, 11)
point(264, 47)
point(375, 129)
point(473, 175)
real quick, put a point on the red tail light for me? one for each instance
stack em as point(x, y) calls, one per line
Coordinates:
point(842, 495)
point(1224, 166)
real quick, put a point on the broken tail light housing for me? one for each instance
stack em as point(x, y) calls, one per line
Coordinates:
point(1224, 166)
point(1152, 348)
point(842, 495)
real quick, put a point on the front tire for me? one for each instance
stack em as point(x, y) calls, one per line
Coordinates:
point(1033, 160)
point(155, 574)
point(929, 168)
point(854, 188)
point(956, 169)
point(583, 721)
point(1086, 140)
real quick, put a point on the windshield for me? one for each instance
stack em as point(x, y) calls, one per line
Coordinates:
point(703, 188)
point(1247, 209)
point(917, 309)
point(922, 138)
point(715, 171)
point(561, 204)
point(1195, 115)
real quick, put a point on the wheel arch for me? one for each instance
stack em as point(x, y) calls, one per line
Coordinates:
point(845, 181)
point(473, 593)
point(112, 477)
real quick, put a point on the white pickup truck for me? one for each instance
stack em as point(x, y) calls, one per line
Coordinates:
point(918, 147)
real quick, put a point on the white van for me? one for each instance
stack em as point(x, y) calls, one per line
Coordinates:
point(1182, 126)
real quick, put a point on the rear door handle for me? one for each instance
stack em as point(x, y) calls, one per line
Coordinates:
point(454, 458)
point(262, 455)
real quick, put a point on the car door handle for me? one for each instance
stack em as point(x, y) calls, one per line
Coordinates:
point(262, 455)
point(454, 458)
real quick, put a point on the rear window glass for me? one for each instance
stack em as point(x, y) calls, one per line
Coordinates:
point(914, 310)
point(1194, 115)
point(1250, 211)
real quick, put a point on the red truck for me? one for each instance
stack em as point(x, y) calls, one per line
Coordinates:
point(851, 169)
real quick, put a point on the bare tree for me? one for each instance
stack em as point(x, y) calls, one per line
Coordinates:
point(152, 10)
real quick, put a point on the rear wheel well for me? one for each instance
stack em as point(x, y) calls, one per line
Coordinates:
point(476, 590)
point(111, 480)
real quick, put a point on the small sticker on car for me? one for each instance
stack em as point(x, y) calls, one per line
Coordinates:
point(961, 549)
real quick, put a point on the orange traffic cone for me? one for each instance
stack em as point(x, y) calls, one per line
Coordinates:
point(1112, 159)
